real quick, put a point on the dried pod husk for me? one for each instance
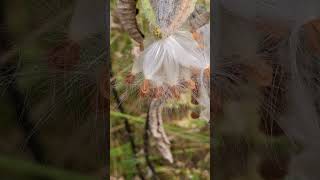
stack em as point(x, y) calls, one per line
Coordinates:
point(199, 17)
point(171, 14)
point(126, 11)
point(157, 130)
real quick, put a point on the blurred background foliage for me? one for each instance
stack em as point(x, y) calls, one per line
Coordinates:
point(51, 107)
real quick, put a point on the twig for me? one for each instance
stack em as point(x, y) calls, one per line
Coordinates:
point(146, 147)
point(127, 125)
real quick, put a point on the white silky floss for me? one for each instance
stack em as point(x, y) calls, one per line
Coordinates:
point(174, 57)
point(170, 59)
point(205, 32)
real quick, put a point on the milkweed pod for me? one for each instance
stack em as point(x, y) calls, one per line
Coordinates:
point(166, 60)
point(126, 11)
point(199, 17)
point(171, 14)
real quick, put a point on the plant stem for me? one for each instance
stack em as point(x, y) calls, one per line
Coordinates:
point(127, 126)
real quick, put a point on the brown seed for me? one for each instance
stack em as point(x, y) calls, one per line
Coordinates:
point(207, 72)
point(145, 87)
point(153, 93)
point(196, 36)
point(201, 46)
point(191, 84)
point(195, 115)
point(195, 72)
point(175, 92)
point(194, 100)
point(199, 38)
point(159, 92)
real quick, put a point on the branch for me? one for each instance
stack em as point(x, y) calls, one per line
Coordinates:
point(146, 146)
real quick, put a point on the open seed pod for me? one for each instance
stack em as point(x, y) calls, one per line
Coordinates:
point(171, 14)
point(126, 12)
point(169, 64)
